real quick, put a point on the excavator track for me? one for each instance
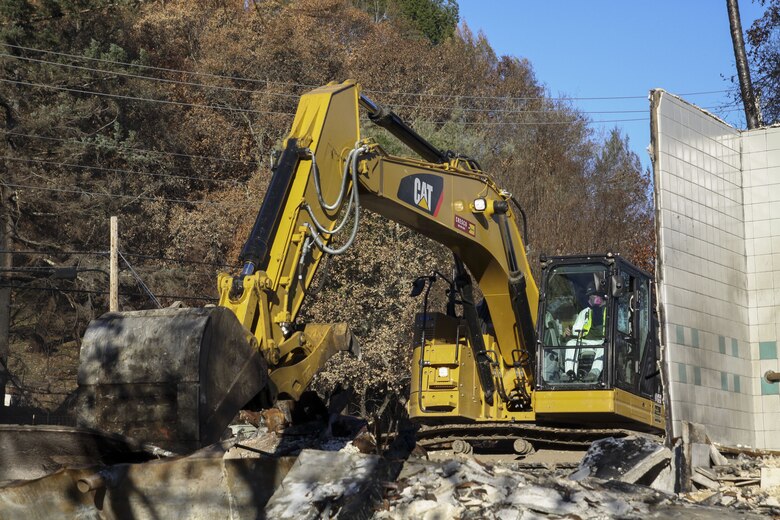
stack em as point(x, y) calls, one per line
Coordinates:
point(502, 437)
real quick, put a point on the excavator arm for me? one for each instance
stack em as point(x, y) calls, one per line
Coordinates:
point(309, 184)
point(311, 195)
point(312, 199)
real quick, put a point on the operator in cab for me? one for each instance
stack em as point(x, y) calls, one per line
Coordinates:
point(582, 363)
point(589, 324)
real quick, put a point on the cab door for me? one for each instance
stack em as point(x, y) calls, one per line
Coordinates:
point(626, 351)
point(649, 375)
point(634, 359)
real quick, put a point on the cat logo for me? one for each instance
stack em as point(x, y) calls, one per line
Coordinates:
point(422, 194)
point(424, 191)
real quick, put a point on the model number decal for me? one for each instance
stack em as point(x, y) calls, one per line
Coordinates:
point(465, 226)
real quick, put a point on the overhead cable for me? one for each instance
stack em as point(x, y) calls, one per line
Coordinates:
point(105, 253)
point(375, 91)
point(151, 100)
point(116, 195)
point(92, 291)
point(119, 170)
point(129, 148)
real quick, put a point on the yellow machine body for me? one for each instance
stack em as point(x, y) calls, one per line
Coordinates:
point(460, 373)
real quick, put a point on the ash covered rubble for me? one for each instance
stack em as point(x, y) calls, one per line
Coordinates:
point(618, 478)
point(631, 477)
point(271, 468)
point(747, 480)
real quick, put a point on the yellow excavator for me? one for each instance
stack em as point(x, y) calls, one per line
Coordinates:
point(518, 364)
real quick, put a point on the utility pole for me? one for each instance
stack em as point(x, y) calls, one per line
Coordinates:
point(752, 110)
point(113, 291)
point(6, 262)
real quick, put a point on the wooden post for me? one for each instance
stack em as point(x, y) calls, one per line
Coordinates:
point(113, 298)
point(6, 263)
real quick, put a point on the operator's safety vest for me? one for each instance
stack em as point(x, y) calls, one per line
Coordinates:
point(584, 322)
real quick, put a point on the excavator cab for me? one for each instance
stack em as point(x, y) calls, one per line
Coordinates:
point(597, 331)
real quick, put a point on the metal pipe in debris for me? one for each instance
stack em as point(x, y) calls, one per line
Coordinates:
point(91, 483)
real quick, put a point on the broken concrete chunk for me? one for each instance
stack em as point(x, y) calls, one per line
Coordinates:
point(700, 455)
point(530, 515)
point(508, 514)
point(630, 459)
point(770, 477)
point(704, 481)
point(546, 500)
point(344, 482)
point(716, 457)
point(665, 480)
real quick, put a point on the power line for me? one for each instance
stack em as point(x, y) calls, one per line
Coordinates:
point(510, 111)
point(532, 98)
point(179, 260)
point(375, 91)
point(33, 252)
point(131, 255)
point(129, 148)
point(296, 96)
point(92, 291)
point(150, 100)
point(162, 69)
point(140, 281)
point(235, 89)
point(475, 123)
point(287, 113)
point(118, 170)
point(115, 195)
point(534, 123)
point(152, 78)
point(279, 94)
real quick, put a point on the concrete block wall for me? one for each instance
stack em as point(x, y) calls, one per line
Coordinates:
point(718, 270)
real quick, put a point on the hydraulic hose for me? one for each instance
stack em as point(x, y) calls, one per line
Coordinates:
point(322, 229)
point(354, 155)
point(316, 174)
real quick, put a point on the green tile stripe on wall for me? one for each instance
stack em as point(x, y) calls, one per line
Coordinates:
point(768, 388)
point(767, 350)
point(682, 377)
point(680, 335)
point(682, 372)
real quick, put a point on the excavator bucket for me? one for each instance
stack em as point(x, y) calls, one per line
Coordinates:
point(174, 378)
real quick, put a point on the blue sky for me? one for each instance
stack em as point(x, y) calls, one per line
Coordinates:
point(620, 48)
